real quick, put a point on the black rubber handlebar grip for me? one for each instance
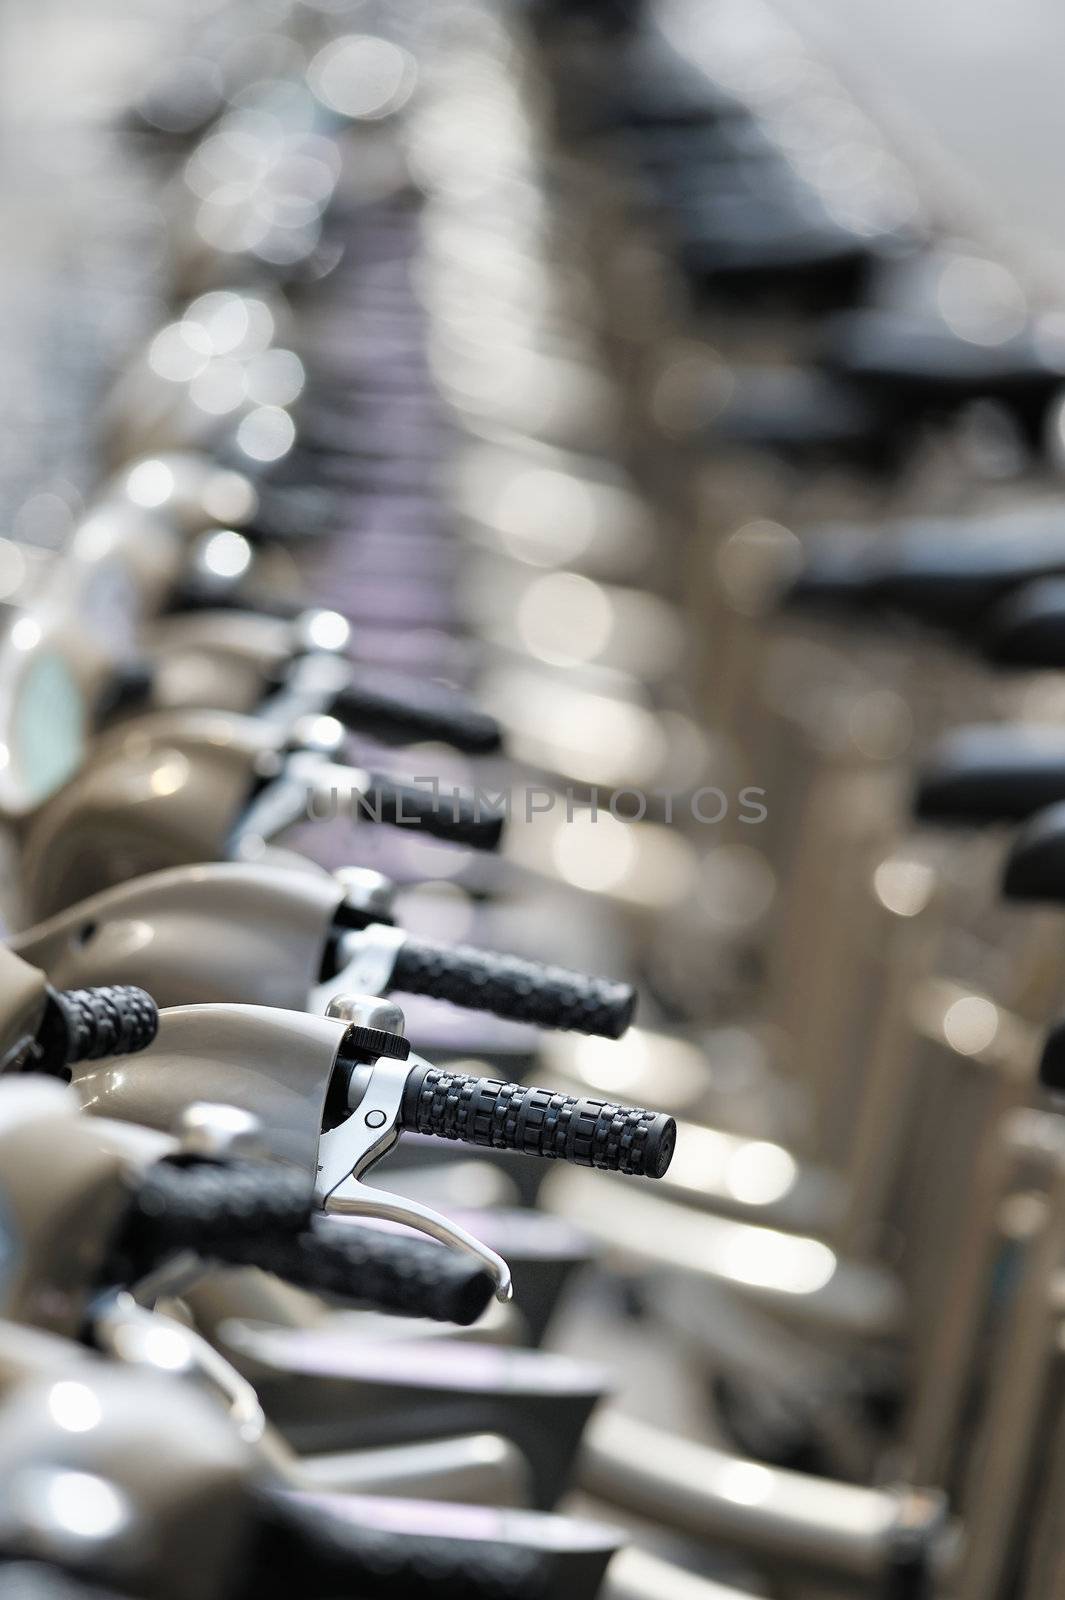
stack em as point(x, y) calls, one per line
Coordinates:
point(525, 991)
point(1028, 629)
point(306, 1549)
point(999, 772)
point(921, 359)
point(387, 1271)
point(1035, 861)
point(212, 1208)
point(455, 816)
point(1052, 1060)
point(88, 1024)
point(559, 1127)
point(409, 709)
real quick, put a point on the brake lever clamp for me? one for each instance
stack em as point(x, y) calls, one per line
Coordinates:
point(369, 958)
point(375, 1095)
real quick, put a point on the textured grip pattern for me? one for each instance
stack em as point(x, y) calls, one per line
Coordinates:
point(560, 1127)
point(307, 1550)
point(407, 709)
point(210, 1208)
point(456, 817)
point(87, 1024)
point(384, 1270)
point(548, 997)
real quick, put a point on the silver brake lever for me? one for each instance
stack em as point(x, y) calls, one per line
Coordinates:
point(140, 1337)
point(367, 960)
point(348, 1152)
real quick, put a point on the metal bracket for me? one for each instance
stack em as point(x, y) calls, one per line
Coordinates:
point(368, 960)
point(347, 1153)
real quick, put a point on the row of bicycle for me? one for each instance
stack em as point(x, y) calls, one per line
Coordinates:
point(201, 1393)
point(851, 1267)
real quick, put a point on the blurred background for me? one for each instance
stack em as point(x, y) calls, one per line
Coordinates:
point(969, 90)
point(969, 87)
